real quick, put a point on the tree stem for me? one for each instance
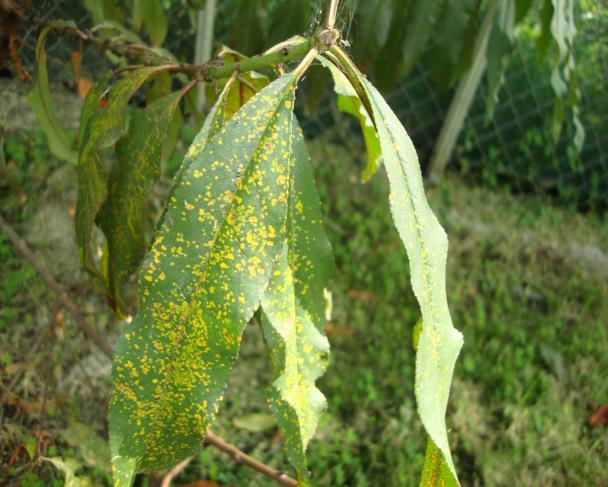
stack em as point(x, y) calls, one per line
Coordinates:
point(210, 70)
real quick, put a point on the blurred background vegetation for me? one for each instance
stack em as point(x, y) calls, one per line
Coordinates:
point(524, 206)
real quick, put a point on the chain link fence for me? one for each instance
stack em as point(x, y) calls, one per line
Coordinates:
point(513, 149)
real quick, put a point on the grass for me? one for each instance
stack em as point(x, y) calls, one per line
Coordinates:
point(530, 374)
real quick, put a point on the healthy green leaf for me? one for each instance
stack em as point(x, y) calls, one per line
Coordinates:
point(69, 466)
point(121, 218)
point(288, 18)
point(247, 35)
point(372, 27)
point(500, 45)
point(293, 315)
point(105, 127)
point(155, 21)
point(93, 449)
point(451, 41)
point(41, 101)
point(103, 10)
point(349, 102)
point(426, 245)
point(563, 29)
point(419, 30)
point(388, 74)
point(202, 281)
point(256, 422)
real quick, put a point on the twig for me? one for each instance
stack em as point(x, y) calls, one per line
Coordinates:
point(22, 368)
point(210, 439)
point(280, 478)
point(331, 14)
point(42, 419)
point(174, 472)
point(54, 286)
point(210, 70)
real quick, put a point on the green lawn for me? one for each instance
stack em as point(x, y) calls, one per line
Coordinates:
point(531, 372)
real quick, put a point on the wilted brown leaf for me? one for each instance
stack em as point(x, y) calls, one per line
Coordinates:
point(362, 295)
point(338, 331)
point(599, 417)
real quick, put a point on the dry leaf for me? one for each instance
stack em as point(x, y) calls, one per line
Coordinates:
point(338, 331)
point(599, 417)
point(362, 295)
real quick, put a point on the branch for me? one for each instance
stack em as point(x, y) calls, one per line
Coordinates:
point(53, 285)
point(174, 472)
point(211, 70)
point(244, 459)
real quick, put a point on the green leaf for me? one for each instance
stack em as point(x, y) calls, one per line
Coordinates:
point(102, 10)
point(372, 28)
point(500, 45)
point(247, 34)
point(94, 450)
point(155, 21)
point(69, 466)
point(563, 81)
point(94, 95)
point(256, 423)
point(418, 30)
point(426, 244)
point(105, 127)
point(288, 18)
point(121, 218)
point(387, 74)
point(450, 40)
point(436, 472)
point(41, 101)
point(201, 283)
point(293, 315)
point(349, 102)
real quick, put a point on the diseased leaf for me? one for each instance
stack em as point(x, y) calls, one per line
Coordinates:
point(121, 218)
point(41, 101)
point(89, 106)
point(105, 127)
point(436, 472)
point(426, 245)
point(349, 102)
point(293, 315)
point(202, 281)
